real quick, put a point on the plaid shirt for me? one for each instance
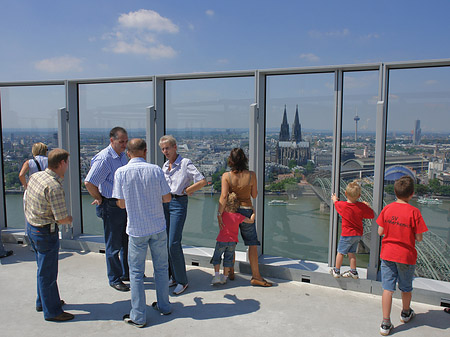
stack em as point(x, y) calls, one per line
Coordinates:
point(45, 202)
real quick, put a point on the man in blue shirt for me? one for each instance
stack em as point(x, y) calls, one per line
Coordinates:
point(99, 183)
point(141, 188)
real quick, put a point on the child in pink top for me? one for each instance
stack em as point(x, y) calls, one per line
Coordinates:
point(352, 213)
point(228, 238)
point(401, 225)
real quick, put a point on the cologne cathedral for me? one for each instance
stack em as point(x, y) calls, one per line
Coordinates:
point(292, 147)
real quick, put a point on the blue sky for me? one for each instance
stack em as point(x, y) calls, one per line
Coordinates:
point(46, 39)
point(103, 38)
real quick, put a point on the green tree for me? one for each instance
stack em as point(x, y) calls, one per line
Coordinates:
point(292, 163)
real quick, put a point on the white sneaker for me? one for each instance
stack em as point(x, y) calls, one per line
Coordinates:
point(335, 272)
point(216, 279)
point(223, 279)
point(172, 282)
point(351, 274)
point(179, 289)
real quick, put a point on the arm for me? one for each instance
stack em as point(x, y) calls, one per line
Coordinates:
point(65, 221)
point(94, 192)
point(120, 203)
point(380, 231)
point(254, 191)
point(251, 219)
point(222, 199)
point(195, 187)
point(419, 237)
point(23, 172)
point(166, 197)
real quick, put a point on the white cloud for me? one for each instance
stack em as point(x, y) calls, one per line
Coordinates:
point(147, 19)
point(60, 64)
point(210, 12)
point(431, 82)
point(310, 57)
point(139, 33)
point(333, 34)
point(223, 61)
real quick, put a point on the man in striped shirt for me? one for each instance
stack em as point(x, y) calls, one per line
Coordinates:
point(142, 189)
point(99, 183)
point(45, 209)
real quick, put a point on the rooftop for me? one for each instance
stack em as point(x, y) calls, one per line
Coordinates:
point(289, 308)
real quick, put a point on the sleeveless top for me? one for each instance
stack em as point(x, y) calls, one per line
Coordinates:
point(243, 189)
point(43, 162)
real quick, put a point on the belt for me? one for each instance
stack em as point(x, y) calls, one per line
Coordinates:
point(178, 195)
point(51, 226)
point(113, 199)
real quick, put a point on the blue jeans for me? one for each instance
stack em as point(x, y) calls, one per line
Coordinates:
point(116, 240)
point(348, 244)
point(248, 230)
point(46, 247)
point(2, 248)
point(175, 212)
point(227, 249)
point(391, 272)
point(137, 251)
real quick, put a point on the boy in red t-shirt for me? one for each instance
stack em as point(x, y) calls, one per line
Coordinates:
point(228, 238)
point(352, 213)
point(402, 225)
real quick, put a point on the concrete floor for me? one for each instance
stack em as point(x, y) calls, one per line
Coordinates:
point(235, 309)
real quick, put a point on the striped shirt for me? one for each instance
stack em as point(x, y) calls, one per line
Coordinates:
point(45, 202)
point(103, 166)
point(181, 175)
point(142, 186)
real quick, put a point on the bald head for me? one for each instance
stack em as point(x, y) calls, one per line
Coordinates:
point(137, 148)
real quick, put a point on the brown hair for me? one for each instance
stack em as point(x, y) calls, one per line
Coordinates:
point(168, 139)
point(353, 189)
point(404, 187)
point(136, 145)
point(39, 149)
point(232, 203)
point(55, 157)
point(237, 160)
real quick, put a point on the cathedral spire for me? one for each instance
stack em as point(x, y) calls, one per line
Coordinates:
point(296, 128)
point(284, 131)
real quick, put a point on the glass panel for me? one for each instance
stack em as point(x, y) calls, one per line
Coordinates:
point(298, 158)
point(29, 115)
point(102, 107)
point(358, 145)
point(418, 144)
point(208, 118)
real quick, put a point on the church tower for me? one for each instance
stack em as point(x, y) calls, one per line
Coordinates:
point(296, 128)
point(284, 131)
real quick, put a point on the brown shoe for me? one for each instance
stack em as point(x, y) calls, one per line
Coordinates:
point(260, 283)
point(65, 316)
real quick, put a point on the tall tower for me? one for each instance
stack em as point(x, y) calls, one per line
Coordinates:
point(296, 128)
point(284, 131)
point(356, 119)
point(417, 132)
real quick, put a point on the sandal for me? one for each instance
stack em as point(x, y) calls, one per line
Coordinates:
point(260, 283)
point(447, 310)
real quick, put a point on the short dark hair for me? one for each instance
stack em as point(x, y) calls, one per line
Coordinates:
point(136, 145)
point(237, 160)
point(114, 132)
point(55, 157)
point(404, 187)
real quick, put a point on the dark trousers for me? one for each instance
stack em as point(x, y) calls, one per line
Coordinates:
point(116, 240)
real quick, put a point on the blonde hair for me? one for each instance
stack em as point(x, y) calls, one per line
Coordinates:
point(39, 149)
point(232, 203)
point(168, 139)
point(353, 189)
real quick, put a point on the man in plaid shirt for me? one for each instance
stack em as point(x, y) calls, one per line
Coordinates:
point(45, 209)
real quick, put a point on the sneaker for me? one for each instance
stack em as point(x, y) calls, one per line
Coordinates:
point(385, 329)
point(172, 282)
point(223, 279)
point(405, 318)
point(350, 273)
point(127, 319)
point(179, 289)
point(7, 253)
point(335, 272)
point(216, 279)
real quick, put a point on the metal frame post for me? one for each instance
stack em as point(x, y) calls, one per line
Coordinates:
point(150, 133)
point(159, 91)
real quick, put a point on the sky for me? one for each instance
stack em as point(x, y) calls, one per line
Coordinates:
point(46, 39)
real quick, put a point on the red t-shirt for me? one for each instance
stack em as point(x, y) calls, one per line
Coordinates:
point(352, 214)
point(230, 230)
point(400, 223)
